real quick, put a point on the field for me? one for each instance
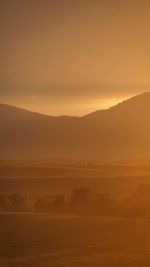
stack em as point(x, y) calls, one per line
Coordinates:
point(43, 178)
point(29, 239)
point(53, 240)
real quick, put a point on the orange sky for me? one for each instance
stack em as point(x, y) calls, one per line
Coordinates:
point(73, 56)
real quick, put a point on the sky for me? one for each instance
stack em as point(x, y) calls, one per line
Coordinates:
point(73, 56)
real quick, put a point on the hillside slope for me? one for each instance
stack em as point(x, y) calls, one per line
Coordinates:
point(122, 132)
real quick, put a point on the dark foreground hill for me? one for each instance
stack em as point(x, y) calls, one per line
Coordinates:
point(121, 132)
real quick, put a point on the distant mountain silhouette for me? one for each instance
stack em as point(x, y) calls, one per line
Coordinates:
point(121, 132)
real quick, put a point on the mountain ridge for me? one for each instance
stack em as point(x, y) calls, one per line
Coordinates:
point(118, 133)
point(13, 107)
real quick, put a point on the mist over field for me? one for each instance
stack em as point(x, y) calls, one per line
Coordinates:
point(74, 213)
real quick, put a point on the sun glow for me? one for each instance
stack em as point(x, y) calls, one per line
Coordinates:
point(106, 103)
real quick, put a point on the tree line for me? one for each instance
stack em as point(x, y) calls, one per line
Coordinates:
point(82, 201)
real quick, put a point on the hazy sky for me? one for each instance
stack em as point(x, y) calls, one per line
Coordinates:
point(73, 56)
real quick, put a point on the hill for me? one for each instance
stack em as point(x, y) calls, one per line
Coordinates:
point(121, 132)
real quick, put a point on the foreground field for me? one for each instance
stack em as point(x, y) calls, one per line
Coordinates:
point(82, 258)
point(54, 240)
point(66, 240)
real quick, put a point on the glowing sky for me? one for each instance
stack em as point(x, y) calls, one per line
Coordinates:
point(73, 56)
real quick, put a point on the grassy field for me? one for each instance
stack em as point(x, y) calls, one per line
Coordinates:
point(83, 258)
point(44, 178)
point(54, 240)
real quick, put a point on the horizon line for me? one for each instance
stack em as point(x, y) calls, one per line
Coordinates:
point(72, 116)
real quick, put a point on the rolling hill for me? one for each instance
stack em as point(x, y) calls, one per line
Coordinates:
point(121, 132)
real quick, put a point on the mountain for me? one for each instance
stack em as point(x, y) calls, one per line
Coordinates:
point(121, 132)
